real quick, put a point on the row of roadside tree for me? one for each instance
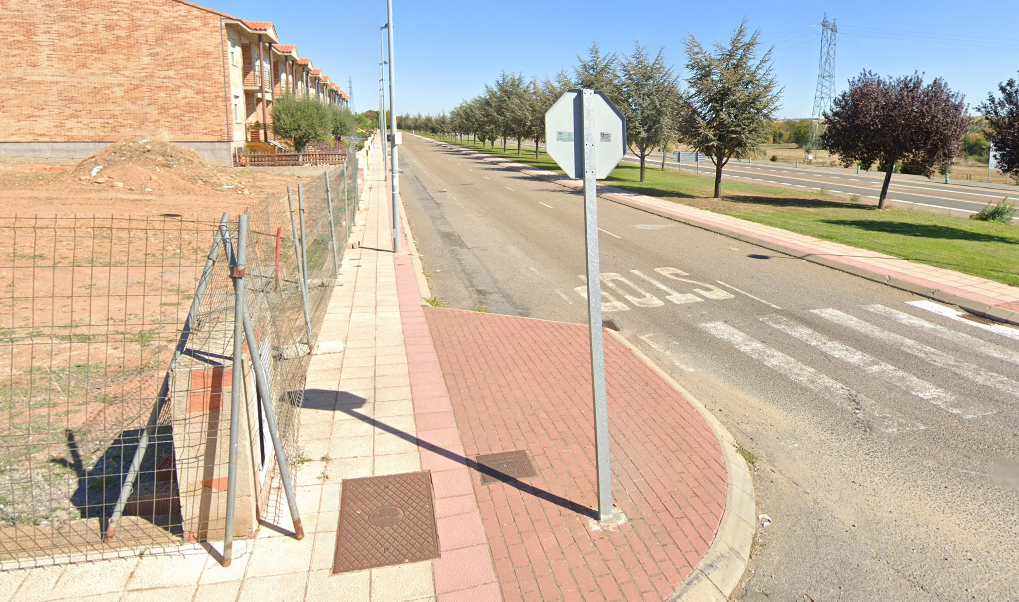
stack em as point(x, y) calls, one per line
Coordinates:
point(725, 108)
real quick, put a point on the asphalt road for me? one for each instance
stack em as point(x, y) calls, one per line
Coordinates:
point(919, 194)
point(886, 433)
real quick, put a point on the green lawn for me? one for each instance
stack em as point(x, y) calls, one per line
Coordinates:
point(988, 250)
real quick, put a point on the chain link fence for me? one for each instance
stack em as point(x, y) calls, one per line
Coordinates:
point(115, 382)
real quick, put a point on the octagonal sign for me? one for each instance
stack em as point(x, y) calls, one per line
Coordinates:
point(564, 134)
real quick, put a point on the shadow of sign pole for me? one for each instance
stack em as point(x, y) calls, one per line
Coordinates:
point(586, 136)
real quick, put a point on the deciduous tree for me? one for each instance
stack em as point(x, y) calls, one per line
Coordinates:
point(1002, 115)
point(896, 120)
point(301, 120)
point(731, 99)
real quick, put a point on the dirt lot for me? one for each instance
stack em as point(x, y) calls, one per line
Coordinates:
point(138, 178)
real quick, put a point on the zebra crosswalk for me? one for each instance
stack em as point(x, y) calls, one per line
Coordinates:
point(892, 369)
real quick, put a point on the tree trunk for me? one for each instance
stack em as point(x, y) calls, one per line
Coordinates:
point(518, 147)
point(643, 158)
point(884, 187)
point(535, 148)
point(663, 159)
point(503, 145)
point(718, 179)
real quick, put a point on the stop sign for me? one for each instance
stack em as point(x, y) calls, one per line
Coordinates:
point(564, 134)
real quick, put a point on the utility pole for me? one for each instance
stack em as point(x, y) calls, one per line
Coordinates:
point(394, 164)
point(382, 99)
point(825, 81)
point(350, 90)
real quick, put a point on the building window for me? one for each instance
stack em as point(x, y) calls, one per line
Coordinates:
point(237, 109)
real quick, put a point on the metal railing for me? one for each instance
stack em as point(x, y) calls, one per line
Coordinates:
point(120, 377)
point(312, 158)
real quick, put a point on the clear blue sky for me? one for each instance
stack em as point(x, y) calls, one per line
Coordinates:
point(446, 50)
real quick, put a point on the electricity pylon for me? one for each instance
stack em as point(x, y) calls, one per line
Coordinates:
point(825, 81)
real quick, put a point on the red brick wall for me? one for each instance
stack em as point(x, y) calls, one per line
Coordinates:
point(108, 70)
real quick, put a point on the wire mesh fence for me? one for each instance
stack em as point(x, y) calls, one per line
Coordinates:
point(104, 347)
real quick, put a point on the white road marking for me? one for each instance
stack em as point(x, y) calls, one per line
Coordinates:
point(733, 288)
point(469, 169)
point(510, 189)
point(939, 331)
point(936, 206)
point(710, 291)
point(677, 298)
point(565, 298)
point(799, 185)
point(957, 315)
point(651, 226)
point(835, 191)
point(547, 205)
point(641, 298)
point(930, 354)
point(608, 302)
point(486, 177)
point(665, 351)
point(610, 234)
point(807, 377)
point(921, 388)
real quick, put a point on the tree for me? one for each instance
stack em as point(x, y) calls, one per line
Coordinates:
point(343, 123)
point(799, 133)
point(888, 121)
point(731, 99)
point(301, 120)
point(1002, 116)
point(647, 89)
point(598, 72)
point(545, 94)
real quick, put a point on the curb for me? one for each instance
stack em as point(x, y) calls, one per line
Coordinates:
point(412, 250)
point(722, 566)
point(931, 291)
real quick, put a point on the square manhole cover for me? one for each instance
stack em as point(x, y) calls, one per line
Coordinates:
point(384, 521)
point(494, 468)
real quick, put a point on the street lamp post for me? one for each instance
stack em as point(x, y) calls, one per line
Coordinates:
point(382, 97)
point(394, 164)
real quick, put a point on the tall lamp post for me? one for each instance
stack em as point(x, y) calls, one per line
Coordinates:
point(382, 97)
point(394, 164)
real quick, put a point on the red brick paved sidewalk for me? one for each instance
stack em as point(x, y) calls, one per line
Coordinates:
point(517, 383)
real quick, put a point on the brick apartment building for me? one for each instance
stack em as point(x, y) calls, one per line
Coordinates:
point(93, 72)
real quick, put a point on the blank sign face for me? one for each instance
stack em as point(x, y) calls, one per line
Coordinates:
point(564, 134)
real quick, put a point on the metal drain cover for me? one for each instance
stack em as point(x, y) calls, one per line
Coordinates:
point(384, 521)
point(496, 468)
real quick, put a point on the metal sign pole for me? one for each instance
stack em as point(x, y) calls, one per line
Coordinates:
point(394, 164)
point(601, 411)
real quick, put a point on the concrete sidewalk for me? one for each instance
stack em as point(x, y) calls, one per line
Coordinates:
point(415, 388)
point(977, 295)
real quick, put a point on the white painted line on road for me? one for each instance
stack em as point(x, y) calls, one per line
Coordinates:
point(957, 315)
point(941, 332)
point(549, 206)
point(610, 234)
point(873, 197)
point(730, 287)
point(664, 351)
point(835, 191)
point(510, 189)
point(675, 297)
point(799, 185)
point(935, 206)
point(929, 354)
point(921, 388)
point(469, 169)
point(771, 181)
point(806, 376)
point(565, 298)
point(486, 177)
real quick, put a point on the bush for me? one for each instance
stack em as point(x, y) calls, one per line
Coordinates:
point(1002, 213)
point(302, 120)
point(773, 158)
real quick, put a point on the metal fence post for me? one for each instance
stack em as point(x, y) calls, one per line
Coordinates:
point(265, 393)
point(237, 273)
point(346, 208)
point(304, 264)
point(300, 266)
point(332, 225)
point(185, 334)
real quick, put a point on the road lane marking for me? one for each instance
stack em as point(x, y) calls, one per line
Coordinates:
point(549, 206)
point(565, 298)
point(799, 185)
point(808, 377)
point(665, 351)
point(771, 181)
point(610, 234)
point(608, 302)
point(733, 288)
point(957, 315)
point(941, 332)
point(835, 191)
point(510, 189)
point(930, 354)
point(710, 291)
point(469, 169)
point(640, 298)
point(677, 298)
point(921, 388)
point(486, 177)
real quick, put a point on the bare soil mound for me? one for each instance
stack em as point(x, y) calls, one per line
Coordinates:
point(151, 166)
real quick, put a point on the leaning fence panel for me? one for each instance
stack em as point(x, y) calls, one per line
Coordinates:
point(116, 381)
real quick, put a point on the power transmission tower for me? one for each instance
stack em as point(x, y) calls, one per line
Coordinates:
point(825, 81)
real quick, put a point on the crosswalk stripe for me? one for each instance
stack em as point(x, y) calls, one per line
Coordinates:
point(955, 314)
point(930, 354)
point(808, 377)
point(937, 330)
point(919, 387)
